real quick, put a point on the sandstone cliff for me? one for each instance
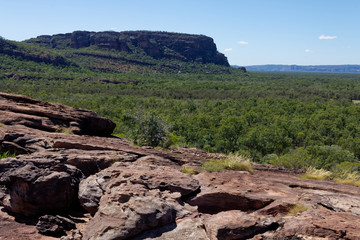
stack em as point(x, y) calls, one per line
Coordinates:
point(184, 47)
point(129, 192)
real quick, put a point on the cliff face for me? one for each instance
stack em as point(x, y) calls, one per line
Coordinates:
point(185, 47)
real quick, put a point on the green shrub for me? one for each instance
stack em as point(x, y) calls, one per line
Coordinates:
point(296, 159)
point(152, 131)
point(270, 158)
point(328, 156)
point(344, 168)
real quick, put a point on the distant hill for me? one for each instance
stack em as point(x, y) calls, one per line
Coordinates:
point(157, 45)
point(313, 68)
point(115, 52)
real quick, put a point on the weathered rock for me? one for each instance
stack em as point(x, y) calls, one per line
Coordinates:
point(229, 190)
point(183, 229)
point(121, 215)
point(237, 225)
point(18, 228)
point(318, 222)
point(74, 235)
point(54, 225)
point(22, 110)
point(126, 175)
point(132, 198)
point(38, 187)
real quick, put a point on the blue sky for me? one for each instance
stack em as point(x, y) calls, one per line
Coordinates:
point(248, 32)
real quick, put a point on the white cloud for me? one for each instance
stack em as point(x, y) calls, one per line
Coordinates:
point(228, 50)
point(324, 37)
point(242, 42)
point(309, 51)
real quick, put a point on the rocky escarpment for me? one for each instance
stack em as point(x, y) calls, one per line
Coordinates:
point(184, 47)
point(128, 192)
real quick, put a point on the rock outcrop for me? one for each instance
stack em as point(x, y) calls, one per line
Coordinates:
point(21, 110)
point(184, 47)
point(140, 193)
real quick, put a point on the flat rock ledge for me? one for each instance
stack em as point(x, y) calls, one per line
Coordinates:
point(83, 183)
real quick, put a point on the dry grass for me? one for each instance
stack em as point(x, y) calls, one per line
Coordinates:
point(345, 177)
point(350, 178)
point(231, 162)
point(65, 130)
point(316, 174)
point(188, 170)
point(297, 208)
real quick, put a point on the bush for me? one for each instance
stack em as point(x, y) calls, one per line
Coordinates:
point(344, 168)
point(296, 159)
point(328, 156)
point(324, 157)
point(151, 130)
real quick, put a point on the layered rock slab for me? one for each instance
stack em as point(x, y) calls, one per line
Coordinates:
point(22, 110)
point(130, 199)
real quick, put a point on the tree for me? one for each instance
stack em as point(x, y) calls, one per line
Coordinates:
point(151, 130)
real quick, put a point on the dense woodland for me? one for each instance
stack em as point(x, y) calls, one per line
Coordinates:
point(294, 120)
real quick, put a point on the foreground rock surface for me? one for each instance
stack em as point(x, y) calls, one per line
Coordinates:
point(141, 193)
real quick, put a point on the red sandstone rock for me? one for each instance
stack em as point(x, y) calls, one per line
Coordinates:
point(140, 193)
point(22, 110)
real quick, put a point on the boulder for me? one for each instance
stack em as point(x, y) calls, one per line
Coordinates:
point(237, 225)
point(38, 187)
point(183, 229)
point(54, 225)
point(128, 199)
point(150, 176)
point(74, 235)
point(122, 215)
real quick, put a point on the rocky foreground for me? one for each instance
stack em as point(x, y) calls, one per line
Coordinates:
point(72, 179)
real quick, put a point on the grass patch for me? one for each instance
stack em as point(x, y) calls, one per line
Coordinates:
point(297, 208)
point(316, 174)
point(351, 178)
point(188, 170)
point(66, 130)
point(340, 175)
point(236, 163)
point(6, 155)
